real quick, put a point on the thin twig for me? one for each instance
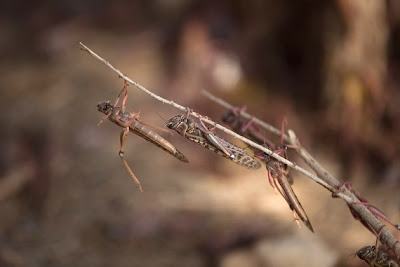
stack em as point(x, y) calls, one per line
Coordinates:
point(385, 237)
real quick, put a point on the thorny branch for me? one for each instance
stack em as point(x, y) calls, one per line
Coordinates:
point(324, 178)
point(385, 237)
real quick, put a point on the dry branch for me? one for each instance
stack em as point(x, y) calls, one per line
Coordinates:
point(385, 237)
point(323, 178)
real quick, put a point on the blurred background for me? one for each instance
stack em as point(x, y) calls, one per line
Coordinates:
point(331, 67)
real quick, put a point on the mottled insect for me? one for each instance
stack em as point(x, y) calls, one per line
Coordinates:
point(277, 171)
point(376, 258)
point(130, 122)
point(199, 134)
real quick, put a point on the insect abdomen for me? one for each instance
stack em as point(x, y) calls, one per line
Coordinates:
point(153, 137)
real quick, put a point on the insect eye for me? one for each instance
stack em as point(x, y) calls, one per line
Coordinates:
point(107, 105)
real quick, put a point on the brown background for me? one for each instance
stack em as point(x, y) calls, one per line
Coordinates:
point(332, 68)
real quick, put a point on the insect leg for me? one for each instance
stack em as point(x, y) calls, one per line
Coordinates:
point(296, 219)
point(123, 136)
point(104, 118)
point(237, 110)
point(211, 136)
point(125, 90)
point(284, 121)
point(215, 141)
point(374, 210)
point(377, 236)
point(185, 118)
point(247, 125)
point(271, 180)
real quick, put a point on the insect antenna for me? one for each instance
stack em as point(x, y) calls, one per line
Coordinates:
point(164, 128)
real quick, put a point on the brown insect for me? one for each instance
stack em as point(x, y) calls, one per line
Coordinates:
point(376, 258)
point(199, 134)
point(130, 122)
point(277, 171)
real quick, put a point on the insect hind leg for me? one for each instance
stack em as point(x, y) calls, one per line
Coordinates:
point(209, 134)
point(123, 137)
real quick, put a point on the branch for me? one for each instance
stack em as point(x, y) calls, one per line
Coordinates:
point(319, 170)
point(385, 237)
point(329, 182)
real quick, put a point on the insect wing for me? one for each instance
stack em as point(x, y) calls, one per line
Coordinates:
point(241, 156)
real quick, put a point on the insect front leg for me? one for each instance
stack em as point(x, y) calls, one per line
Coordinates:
point(181, 127)
point(237, 111)
point(123, 137)
point(105, 117)
point(125, 91)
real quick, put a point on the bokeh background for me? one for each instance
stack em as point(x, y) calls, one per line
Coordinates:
point(331, 67)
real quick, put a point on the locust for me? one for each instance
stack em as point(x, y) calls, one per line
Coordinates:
point(376, 258)
point(200, 134)
point(278, 173)
point(130, 122)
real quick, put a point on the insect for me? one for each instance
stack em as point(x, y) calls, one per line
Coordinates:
point(130, 122)
point(277, 171)
point(199, 133)
point(376, 258)
point(248, 128)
